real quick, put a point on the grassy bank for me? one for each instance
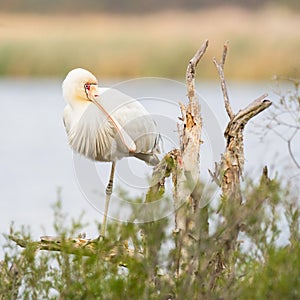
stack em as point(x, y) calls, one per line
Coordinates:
point(262, 43)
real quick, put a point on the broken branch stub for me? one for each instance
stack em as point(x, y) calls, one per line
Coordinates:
point(220, 67)
point(188, 168)
point(232, 162)
point(229, 172)
point(191, 70)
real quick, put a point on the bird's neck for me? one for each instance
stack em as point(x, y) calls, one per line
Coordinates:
point(78, 102)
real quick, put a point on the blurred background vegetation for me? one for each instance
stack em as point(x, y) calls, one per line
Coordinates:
point(117, 39)
point(131, 6)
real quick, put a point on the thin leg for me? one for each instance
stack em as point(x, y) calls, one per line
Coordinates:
point(108, 192)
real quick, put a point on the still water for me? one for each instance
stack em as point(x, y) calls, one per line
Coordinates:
point(35, 159)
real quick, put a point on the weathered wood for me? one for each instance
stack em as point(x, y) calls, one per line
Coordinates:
point(229, 171)
point(186, 175)
point(232, 163)
point(191, 70)
point(82, 246)
point(220, 67)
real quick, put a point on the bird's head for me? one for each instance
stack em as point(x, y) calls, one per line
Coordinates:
point(80, 85)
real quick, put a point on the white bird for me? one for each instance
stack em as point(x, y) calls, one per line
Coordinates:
point(104, 124)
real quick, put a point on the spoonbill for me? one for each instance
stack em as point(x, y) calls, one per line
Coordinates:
point(106, 125)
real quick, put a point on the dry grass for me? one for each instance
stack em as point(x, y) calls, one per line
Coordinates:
point(262, 43)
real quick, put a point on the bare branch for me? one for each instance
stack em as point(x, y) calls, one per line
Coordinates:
point(225, 48)
point(232, 163)
point(185, 176)
point(289, 143)
point(215, 175)
point(191, 70)
point(220, 68)
point(86, 247)
point(254, 107)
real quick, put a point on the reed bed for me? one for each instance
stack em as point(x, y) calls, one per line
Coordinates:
point(262, 43)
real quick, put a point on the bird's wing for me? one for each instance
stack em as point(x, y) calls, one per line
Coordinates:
point(132, 117)
point(67, 118)
point(109, 100)
point(92, 134)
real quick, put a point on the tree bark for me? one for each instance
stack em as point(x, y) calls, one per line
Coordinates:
point(186, 174)
point(228, 173)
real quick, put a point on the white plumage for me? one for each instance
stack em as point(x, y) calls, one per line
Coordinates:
point(104, 124)
point(93, 134)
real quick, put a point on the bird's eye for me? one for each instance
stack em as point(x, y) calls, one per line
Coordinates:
point(87, 86)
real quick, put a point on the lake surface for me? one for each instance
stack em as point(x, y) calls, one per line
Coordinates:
point(35, 159)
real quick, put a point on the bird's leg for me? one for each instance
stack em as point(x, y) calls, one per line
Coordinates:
point(108, 192)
